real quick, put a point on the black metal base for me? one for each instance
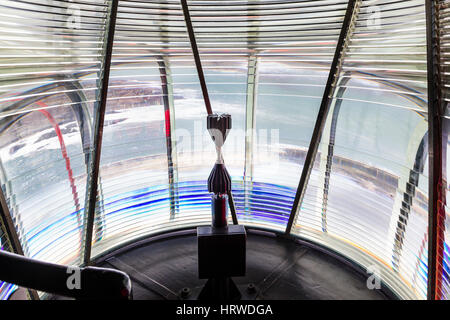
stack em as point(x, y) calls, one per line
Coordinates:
point(221, 252)
point(221, 255)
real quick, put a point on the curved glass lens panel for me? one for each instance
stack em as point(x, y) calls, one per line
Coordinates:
point(49, 59)
point(369, 186)
point(266, 63)
point(292, 70)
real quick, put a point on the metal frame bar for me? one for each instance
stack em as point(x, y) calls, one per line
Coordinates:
point(323, 113)
point(169, 118)
point(169, 126)
point(198, 63)
point(94, 160)
point(250, 105)
point(437, 183)
point(252, 76)
point(232, 206)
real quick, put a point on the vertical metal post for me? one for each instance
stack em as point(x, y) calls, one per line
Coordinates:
point(167, 93)
point(250, 116)
point(437, 183)
point(352, 11)
point(169, 119)
point(232, 208)
point(252, 76)
point(94, 159)
point(198, 63)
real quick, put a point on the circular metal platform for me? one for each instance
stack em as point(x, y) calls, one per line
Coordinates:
point(165, 267)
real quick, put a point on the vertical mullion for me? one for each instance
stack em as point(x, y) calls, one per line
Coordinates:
point(198, 63)
point(252, 75)
point(437, 184)
point(169, 119)
point(250, 116)
point(351, 13)
point(94, 159)
point(173, 137)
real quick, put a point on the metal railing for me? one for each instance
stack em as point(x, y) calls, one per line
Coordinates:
point(89, 283)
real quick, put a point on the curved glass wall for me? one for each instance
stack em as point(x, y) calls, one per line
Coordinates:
point(266, 63)
point(370, 171)
point(255, 69)
point(50, 53)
